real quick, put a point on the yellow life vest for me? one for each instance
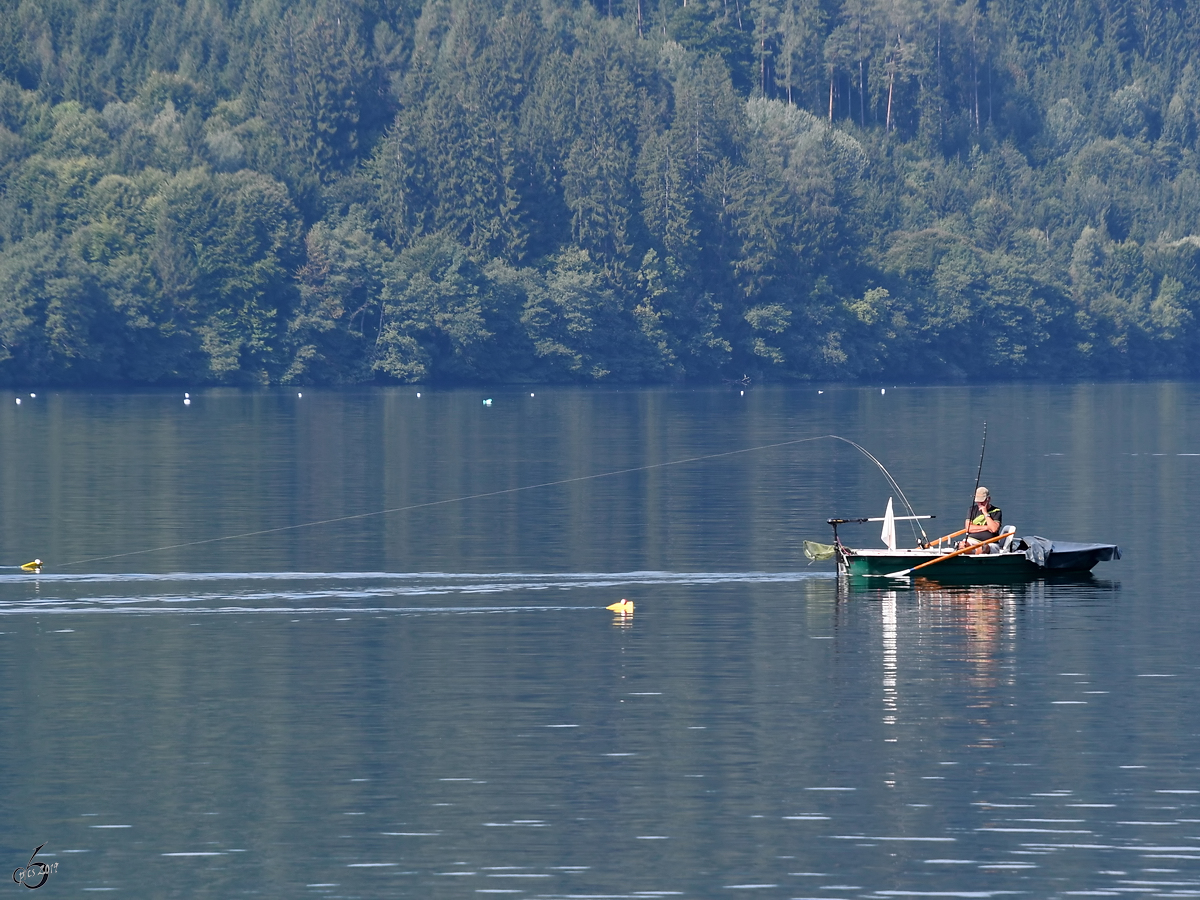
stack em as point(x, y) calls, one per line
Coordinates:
point(993, 512)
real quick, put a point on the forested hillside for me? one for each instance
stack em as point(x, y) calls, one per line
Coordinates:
point(459, 191)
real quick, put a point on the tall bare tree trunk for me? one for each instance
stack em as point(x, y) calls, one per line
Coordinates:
point(891, 88)
point(762, 67)
point(941, 93)
point(862, 92)
point(975, 76)
point(790, 54)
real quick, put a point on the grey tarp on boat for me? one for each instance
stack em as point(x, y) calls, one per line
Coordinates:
point(1064, 555)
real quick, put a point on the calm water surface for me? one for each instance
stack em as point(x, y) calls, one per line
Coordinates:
point(432, 702)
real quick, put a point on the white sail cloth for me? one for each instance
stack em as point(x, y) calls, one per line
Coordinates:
point(888, 535)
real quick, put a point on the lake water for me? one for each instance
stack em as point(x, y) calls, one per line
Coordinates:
point(205, 694)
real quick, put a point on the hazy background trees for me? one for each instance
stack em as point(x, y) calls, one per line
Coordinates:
point(615, 190)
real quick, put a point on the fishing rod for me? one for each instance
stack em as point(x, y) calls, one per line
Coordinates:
point(975, 493)
point(971, 515)
point(978, 475)
point(499, 493)
point(982, 448)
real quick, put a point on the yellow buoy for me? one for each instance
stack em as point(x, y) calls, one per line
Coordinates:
point(624, 608)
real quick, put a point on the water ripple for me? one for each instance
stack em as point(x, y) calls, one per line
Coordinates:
point(327, 592)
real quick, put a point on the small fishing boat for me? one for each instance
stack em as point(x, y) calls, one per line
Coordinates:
point(1014, 559)
point(1004, 557)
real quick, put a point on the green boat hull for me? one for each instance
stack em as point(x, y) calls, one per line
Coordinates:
point(964, 569)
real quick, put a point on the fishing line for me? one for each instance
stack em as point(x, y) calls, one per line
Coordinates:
point(499, 493)
point(892, 481)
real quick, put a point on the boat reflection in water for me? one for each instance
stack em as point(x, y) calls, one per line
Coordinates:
point(960, 643)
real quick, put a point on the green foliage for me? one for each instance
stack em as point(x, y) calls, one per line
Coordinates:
point(582, 330)
point(472, 191)
point(436, 302)
point(310, 91)
point(222, 249)
point(335, 330)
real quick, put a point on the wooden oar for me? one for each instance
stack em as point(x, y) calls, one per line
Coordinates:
point(944, 537)
point(905, 572)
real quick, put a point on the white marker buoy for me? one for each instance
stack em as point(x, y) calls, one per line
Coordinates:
point(33, 396)
point(883, 390)
point(186, 395)
point(487, 402)
point(18, 401)
point(187, 401)
point(418, 394)
point(741, 393)
point(299, 394)
point(531, 395)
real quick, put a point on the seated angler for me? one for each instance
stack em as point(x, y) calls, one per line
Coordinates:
point(983, 522)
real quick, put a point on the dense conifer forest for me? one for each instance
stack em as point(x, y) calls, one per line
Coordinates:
point(612, 191)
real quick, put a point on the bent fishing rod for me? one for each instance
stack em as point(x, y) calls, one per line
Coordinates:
point(502, 492)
